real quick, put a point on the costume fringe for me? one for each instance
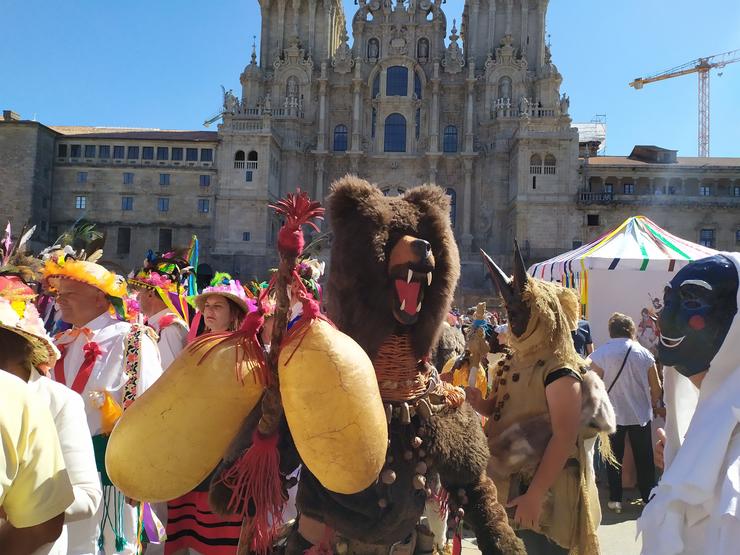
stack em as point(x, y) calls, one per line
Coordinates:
point(257, 492)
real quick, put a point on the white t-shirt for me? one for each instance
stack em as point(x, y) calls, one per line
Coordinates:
point(630, 395)
point(68, 412)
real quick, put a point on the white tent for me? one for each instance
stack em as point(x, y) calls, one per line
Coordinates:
point(624, 271)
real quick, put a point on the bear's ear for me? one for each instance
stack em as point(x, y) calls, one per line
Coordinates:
point(351, 198)
point(428, 196)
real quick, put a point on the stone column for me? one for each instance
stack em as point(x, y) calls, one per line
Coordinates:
point(472, 37)
point(467, 237)
point(434, 116)
point(329, 10)
point(541, 10)
point(321, 144)
point(508, 16)
point(491, 26)
point(296, 9)
point(311, 26)
point(265, 34)
point(469, 105)
point(433, 160)
point(525, 22)
point(320, 159)
point(357, 89)
point(281, 26)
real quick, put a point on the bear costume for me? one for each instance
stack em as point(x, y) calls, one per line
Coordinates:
point(394, 269)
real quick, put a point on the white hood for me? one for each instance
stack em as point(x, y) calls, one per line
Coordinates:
point(702, 423)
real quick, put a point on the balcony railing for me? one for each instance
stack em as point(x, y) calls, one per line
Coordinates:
point(239, 164)
point(587, 197)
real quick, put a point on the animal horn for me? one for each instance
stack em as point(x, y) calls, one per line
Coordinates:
point(502, 281)
point(520, 270)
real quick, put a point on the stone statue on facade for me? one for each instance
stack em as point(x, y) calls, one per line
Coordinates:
point(524, 107)
point(423, 50)
point(231, 102)
point(292, 87)
point(373, 49)
point(454, 60)
point(564, 104)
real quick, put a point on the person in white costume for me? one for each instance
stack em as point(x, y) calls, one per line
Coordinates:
point(695, 508)
point(24, 347)
point(162, 288)
point(109, 363)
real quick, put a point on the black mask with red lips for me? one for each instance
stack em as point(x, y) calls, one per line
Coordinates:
point(699, 305)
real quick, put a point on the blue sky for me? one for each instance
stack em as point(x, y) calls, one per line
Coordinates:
point(160, 63)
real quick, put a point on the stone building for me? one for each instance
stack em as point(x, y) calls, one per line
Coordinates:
point(479, 112)
point(695, 198)
point(482, 117)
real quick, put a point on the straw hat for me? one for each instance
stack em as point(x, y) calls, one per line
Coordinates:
point(84, 271)
point(19, 315)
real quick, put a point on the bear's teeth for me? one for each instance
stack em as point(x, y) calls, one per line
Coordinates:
point(409, 276)
point(403, 304)
point(429, 278)
point(418, 307)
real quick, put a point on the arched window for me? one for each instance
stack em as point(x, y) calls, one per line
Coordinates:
point(373, 49)
point(373, 122)
point(395, 133)
point(376, 85)
point(535, 164)
point(449, 139)
point(340, 138)
point(417, 85)
point(252, 157)
point(239, 160)
point(453, 204)
point(504, 87)
point(550, 164)
point(417, 122)
point(397, 81)
point(422, 49)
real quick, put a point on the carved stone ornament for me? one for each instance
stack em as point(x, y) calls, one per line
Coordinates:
point(342, 61)
point(454, 60)
point(506, 55)
point(294, 55)
point(399, 44)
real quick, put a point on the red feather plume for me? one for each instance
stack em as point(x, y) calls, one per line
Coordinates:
point(298, 210)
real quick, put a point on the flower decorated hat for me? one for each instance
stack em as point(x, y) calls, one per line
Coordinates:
point(167, 275)
point(222, 284)
point(19, 315)
point(66, 264)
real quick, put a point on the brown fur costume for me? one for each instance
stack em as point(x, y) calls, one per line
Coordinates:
point(542, 316)
point(451, 344)
point(446, 439)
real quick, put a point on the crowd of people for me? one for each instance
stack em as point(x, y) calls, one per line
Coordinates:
point(79, 344)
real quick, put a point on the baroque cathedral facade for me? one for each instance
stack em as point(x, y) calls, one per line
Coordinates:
point(481, 116)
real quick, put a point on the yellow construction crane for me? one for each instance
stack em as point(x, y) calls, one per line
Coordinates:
point(702, 67)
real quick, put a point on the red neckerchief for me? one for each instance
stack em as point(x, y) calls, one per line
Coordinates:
point(91, 351)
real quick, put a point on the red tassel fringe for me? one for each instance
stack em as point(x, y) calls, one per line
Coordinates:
point(257, 491)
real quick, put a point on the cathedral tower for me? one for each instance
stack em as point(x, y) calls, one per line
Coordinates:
point(317, 24)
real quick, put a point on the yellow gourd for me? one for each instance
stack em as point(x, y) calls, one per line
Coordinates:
point(333, 407)
point(171, 438)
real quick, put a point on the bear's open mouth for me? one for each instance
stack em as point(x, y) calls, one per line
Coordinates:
point(410, 293)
